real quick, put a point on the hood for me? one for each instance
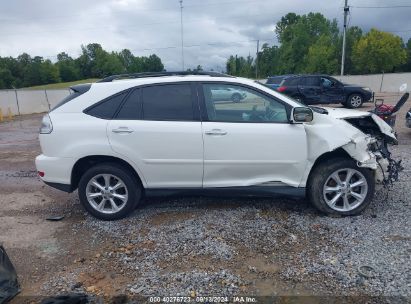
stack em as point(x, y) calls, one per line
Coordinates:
point(351, 85)
point(348, 113)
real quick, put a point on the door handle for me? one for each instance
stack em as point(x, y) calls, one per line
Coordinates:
point(122, 130)
point(216, 132)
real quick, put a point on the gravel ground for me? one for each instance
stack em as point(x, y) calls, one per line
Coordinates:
point(195, 246)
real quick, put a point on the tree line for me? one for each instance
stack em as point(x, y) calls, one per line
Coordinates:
point(94, 62)
point(313, 44)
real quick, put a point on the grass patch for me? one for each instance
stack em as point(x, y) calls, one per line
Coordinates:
point(61, 85)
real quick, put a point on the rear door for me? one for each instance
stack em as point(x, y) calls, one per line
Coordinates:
point(332, 90)
point(158, 128)
point(310, 89)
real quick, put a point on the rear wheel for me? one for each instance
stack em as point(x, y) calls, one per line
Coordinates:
point(354, 101)
point(339, 186)
point(109, 191)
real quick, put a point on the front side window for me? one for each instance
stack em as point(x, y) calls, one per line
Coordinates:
point(328, 82)
point(232, 103)
point(168, 102)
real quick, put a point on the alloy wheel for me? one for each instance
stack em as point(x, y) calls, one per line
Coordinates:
point(356, 101)
point(345, 189)
point(107, 193)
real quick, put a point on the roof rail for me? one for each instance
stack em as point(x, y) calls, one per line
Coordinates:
point(160, 74)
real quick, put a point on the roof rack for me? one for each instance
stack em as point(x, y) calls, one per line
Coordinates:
point(161, 74)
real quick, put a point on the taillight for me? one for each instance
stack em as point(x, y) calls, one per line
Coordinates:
point(46, 125)
point(282, 89)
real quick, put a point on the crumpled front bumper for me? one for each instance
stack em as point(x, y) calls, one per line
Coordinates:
point(375, 155)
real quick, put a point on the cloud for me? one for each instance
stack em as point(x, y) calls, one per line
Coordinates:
point(213, 30)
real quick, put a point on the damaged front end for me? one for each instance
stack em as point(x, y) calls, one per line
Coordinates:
point(379, 136)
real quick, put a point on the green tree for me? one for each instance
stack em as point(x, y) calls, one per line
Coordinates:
point(268, 60)
point(407, 66)
point(297, 34)
point(378, 52)
point(69, 71)
point(322, 57)
point(152, 63)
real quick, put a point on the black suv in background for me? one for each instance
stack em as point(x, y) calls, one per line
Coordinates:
point(323, 89)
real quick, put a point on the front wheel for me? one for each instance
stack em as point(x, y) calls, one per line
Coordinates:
point(354, 101)
point(109, 191)
point(339, 186)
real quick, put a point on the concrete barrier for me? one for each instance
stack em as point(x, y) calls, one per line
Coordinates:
point(386, 83)
point(38, 101)
point(30, 101)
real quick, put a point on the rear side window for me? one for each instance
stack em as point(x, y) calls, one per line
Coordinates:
point(291, 82)
point(168, 102)
point(108, 107)
point(311, 81)
point(274, 80)
point(132, 107)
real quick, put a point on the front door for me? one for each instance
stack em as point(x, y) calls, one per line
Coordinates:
point(250, 143)
point(332, 90)
point(158, 129)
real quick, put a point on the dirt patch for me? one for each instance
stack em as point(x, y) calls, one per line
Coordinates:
point(166, 218)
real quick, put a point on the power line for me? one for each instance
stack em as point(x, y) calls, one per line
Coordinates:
point(218, 43)
point(390, 6)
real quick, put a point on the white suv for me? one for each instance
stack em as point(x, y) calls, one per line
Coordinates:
point(130, 136)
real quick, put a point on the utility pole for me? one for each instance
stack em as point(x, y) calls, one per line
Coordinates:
point(256, 60)
point(182, 34)
point(346, 10)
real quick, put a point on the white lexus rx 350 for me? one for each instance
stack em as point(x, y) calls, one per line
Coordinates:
point(129, 136)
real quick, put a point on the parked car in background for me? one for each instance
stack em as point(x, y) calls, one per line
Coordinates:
point(228, 94)
point(273, 82)
point(323, 89)
point(408, 118)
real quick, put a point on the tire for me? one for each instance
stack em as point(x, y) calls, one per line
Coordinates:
point(125, 197)
point(236, 97)
point(354, 101)
point(323, 189)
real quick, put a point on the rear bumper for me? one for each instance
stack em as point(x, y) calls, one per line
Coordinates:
point(61, 187)
point(57, 170)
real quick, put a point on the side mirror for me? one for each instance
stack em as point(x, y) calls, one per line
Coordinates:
point(301, 114)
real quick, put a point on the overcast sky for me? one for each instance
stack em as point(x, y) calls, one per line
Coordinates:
point(213, 29)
